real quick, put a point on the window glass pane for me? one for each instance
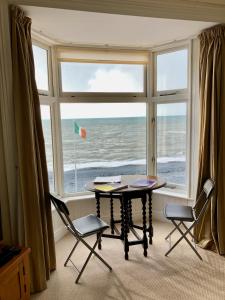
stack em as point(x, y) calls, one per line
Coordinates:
point(172, 70)
point(96, 77)
point(47, 131)
point(115, 142)
point(41, 67)
point(171, 142)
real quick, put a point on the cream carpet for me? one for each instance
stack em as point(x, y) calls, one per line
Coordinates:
point(180, 276)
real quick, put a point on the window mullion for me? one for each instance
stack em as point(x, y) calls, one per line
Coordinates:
point(151, 141)
point(189, 140)
point(57, 146)
point(150, 117)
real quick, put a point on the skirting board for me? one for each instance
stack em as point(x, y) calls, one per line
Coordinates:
point(59, 233)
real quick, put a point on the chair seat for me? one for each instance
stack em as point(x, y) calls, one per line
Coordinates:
point(179, 212)
point(89, 225)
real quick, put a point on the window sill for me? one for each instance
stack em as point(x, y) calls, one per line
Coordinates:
point(69, 199)
point(87, 196)
point(175, 193)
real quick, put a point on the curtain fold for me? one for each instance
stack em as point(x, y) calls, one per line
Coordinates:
point(34, 213)
point(6, 129)
point(210, 232)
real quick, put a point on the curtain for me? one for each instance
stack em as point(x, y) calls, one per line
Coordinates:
point(210, 232)
point(7, 163)
point(34, 213)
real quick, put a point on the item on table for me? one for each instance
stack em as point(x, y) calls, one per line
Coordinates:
point(108, 179)
point(143, 183)
point(107, 188)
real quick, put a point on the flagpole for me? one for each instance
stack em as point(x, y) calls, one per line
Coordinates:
point(82, 133)
point(75, 166)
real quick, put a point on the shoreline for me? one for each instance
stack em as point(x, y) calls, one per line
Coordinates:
point(171, 172)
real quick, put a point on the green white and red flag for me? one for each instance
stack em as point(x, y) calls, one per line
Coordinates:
point(80, 130)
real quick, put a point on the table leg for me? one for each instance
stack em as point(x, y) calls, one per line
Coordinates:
point(112, 224)
point(122, 218)
point(126, 226)
point(130, 213)
point(145, 240)
point(97, 197)
point(150, 217)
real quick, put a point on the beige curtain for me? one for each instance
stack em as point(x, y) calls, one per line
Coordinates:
point(210, 232)
point(7, 135)
point(35, 210)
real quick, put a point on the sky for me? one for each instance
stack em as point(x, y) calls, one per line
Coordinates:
point(93, 77)
point(109, 110)
point(41, 67)
point(172, 70)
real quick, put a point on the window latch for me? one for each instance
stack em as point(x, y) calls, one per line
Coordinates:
point(168, 94)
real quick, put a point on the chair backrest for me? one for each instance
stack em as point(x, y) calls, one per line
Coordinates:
point(208, 187)
point(63, 212)
point(207, 190)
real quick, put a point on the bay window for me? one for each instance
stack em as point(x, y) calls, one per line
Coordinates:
point(116, 113)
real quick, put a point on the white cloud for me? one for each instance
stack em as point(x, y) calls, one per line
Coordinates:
point(113, 80)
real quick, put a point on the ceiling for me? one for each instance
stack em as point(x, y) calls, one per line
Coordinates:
point(100, 29)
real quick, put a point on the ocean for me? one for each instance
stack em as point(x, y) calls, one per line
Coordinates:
point(117, 146)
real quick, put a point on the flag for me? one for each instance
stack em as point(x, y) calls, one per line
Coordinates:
point(80, 130)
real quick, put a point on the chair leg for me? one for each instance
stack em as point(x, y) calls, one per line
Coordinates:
point(92, 251)
point(183, 235)
point(71, 253)
point(176, 229)
point(192, 236)
point(188, 232)
point(87, 260)
point(95, 253)
point(172, 231)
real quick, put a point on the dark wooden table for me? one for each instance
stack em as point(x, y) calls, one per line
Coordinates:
point(125, 196)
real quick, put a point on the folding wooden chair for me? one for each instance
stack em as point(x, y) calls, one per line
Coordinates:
point(80, 229)
point(180, 214)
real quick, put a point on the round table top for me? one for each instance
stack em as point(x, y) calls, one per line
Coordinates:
point(127, 180)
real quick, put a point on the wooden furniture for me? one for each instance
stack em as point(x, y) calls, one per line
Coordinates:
point(125, 196)
point(15, 277)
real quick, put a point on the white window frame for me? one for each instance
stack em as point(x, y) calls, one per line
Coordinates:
point(173, 96)
point(48, 50)
point(102, 95)
point(170, 92)
point(84, 97)
point(56, 97)
point(48, 101)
